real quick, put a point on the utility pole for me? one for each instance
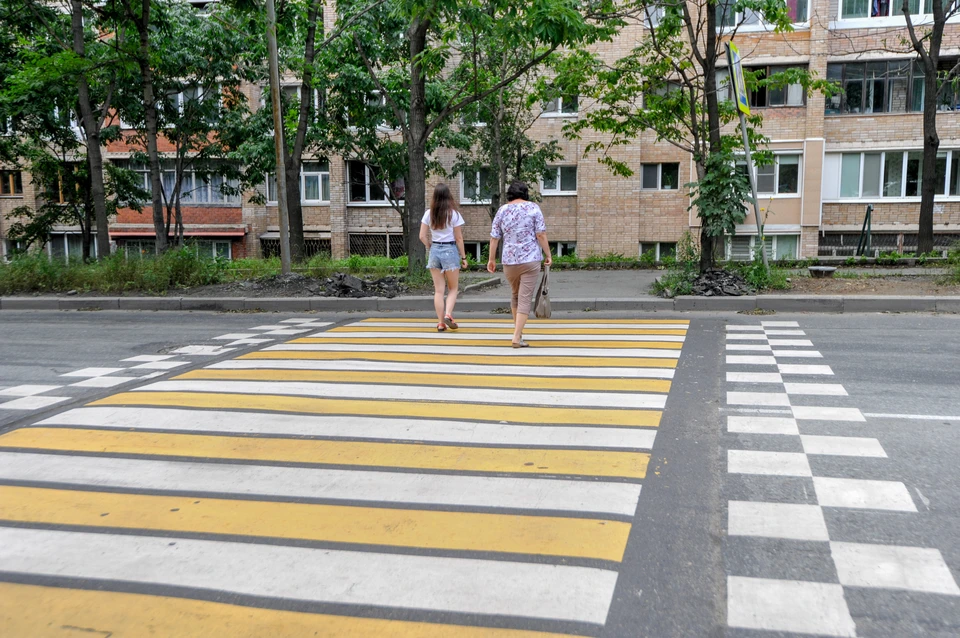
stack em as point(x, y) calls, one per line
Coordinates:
point(278, 135)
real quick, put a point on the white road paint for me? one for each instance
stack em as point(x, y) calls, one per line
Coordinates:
point(748, 347)
point(842, 446)
point(287, 331)
point(818, 389)
point(92, 372)
point(414, 393)
point(737, 328)
point(103, 382)
point(497, 351)
point(791, 368)
point(812, 413)
point(777, 520)
point(359, 427)
point(779, 324)
point(236, 335)
point(863, 494)
point(509, 588)
point(798, 343)
point(307, 320)
point(442, 368)
point(747, 336)
point(207, 351)
point(27, 390)
point(891, 567)
point(915, 417)
point(754, 377)
point(249, 342)
point(31, 403)
point(275, 327)
point(461, 335)
point(160, 365)
point(426, 324)
point(798, 354)
point(768, 463)
point(149, 357)
point(753, 360)
point(758, 398)
point(761, 425)
point(788, 605)
point(785, 333)
point(294, 482)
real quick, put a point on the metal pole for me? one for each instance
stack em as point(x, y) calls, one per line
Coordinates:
point(281, 173)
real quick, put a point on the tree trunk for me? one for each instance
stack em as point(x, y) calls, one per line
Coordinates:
point(416, 188)
point(713, 121)
point(91, 129)
point(931, 144)
point(152, 125)
point(298, 252)
point(85, 234)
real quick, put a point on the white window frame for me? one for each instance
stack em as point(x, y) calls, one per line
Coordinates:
point(728, 246)
point(659, 187)
point(759, 25)
point(950, 155)
point(322, 176)
point(189, 186)
point(557, 110)
point(776, 176)
point(894, 17)
point(558, 191)
point(465, 201)
point(62, 237)
point(368, 179)
point(657, 248)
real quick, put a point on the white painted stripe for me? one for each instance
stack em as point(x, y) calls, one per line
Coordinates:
point(414, 393)
point(785, 333)
point(275, 327)
point(758, 398)
point(149, 357)
point(249, 342)
point(799, 354)
point(768, 463)
point(287, 331)
point(817, 389)
point(236, 335)
point(160, 365)
point(360, 427)
point(779, 324)
point(842, 446)
point(443, 368)
point(470, 323)
point(789, 368)
point(754, 377)
point(95, 372)
point(461, 335)
point(916, 417)
point(295, 482)
point(320, 575)
point(746, 336)
point(893, 567)
point(798, 343)
point(27, 390)
point(203, 350)
point(862, 494)
point(301, 321)
point(103, 382)
point(748, 347)
point(761, 425)
point(777, 520)
point(791, 606)
point(738, 328)
point(755, 360)
point(826, 414)
point(500, 350)
point(785, 411)
point(32, 403)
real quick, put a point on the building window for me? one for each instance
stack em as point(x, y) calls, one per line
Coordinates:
point(314, 182)
point(728, 17)
point(191, 98)
point(664, 177)
point(658, 249)
point(880, 174)
point(139, 248)
point(475, 249)
point(768, 96)
point(559, 180)
point(69, 246)
point(562, 105)
point(365, 186)
point(197, 187)
point(782, 177)
point(777, 247)
point(11, 183)
point(561, 248)
point(882, 8)
point(475, 187)
point(885, 87)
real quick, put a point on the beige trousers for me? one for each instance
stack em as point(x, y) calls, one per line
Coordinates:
point(523, 280)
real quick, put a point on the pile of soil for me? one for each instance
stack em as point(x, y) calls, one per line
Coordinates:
point(297, 285)
point(901, 286)
point(721, 283)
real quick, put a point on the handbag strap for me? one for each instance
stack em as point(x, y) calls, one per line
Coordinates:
point(546, 277)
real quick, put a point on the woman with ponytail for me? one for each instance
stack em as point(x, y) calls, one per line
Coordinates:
point(441, 232)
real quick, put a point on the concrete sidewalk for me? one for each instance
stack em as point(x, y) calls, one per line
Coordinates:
point(586, 284)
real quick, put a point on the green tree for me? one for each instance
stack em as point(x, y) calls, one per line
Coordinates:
point(423, 66)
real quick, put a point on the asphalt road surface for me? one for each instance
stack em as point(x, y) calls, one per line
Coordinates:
point(199, 474)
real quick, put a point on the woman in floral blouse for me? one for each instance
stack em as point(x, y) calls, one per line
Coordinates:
point(519, 223)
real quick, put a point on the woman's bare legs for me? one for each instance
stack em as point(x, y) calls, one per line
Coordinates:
point(453, 287)
point(438, 286)
point(519, 321)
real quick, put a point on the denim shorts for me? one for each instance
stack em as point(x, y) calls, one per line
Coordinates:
point(444, 257)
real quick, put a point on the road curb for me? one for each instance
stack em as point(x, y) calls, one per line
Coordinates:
point(492, 282)
point(776, 303)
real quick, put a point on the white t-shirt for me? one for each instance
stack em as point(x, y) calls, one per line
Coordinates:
point(444, 234)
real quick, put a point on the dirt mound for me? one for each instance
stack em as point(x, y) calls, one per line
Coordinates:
point(721, 283)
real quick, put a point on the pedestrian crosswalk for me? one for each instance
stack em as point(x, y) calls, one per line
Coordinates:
point(371, 479)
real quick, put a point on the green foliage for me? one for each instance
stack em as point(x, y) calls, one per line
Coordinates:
point(720, 196)
point(953, 265)
point(891, 258)
point(649, 258)
point(760, 278)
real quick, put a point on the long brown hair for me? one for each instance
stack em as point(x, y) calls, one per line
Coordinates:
point(441, 208)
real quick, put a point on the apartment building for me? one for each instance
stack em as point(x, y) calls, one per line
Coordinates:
point(833, 157)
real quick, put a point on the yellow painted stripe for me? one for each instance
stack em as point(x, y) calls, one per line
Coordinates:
point(32, 611)
point(468, 411)
point(509, 330)
point(462, 531)
point(452, 357)
point(440, 380)
point(413, 341)
point(599, 322)
point(428, 457)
